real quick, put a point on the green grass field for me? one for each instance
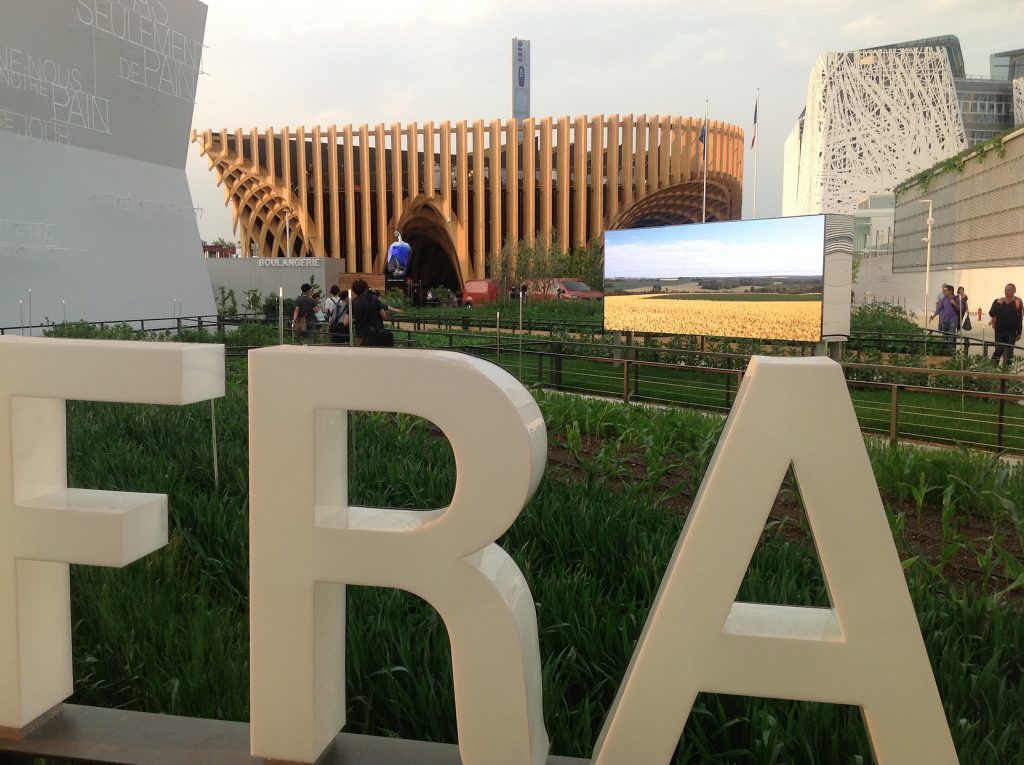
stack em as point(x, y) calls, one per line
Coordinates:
point(169, 633)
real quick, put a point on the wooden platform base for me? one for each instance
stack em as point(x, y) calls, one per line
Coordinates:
point(17, 734)
point(117, 737)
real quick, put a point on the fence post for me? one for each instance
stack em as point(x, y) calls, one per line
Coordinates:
point(894, 415)
point(179, 327)
point(728, 385)
point(1001, 418)
point(629, 352)
point(556, 365)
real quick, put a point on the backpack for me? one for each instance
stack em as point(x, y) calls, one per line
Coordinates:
point(337, 312)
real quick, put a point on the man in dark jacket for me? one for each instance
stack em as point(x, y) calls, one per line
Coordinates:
point(304, 315)
point(368, 314)
point(1006, 313)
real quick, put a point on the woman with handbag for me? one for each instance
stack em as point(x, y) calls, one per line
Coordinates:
point(965, 319)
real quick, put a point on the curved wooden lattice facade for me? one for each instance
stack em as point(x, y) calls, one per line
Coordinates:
point(342, 192)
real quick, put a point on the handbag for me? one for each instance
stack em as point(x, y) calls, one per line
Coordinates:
point(967, 323)
point(380, 338)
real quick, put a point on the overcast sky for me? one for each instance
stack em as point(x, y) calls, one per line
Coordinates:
point(270, 63)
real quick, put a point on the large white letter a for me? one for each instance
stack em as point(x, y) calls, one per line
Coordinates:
point(866, 650)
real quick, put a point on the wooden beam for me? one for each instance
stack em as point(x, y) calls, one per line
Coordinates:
point(335, 196)
point(562, 206)
point(626, 153)
point(428, 158)
point(366, 253)
point(512, 180)
point(494, 160)
point(351, 255)
point(545, 181)
point(381, 192)
point(613, 167)
point(597, 171)
point(579, 185)
point(318, 189)
point(529, 180)
point(479, 186)
point(462, 189)
point(120, 737)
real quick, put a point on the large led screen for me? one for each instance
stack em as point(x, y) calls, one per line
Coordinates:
point(760, 279)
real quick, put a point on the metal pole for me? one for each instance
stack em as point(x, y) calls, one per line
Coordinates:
point(280, 315)
point(1001, 418)
point(213, 441)
point(894, 415)
point(753, 207)
point(927, 272)
point(704, 150)
point(520, 340)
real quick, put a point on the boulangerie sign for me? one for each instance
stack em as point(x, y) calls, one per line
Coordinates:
point(307, 544)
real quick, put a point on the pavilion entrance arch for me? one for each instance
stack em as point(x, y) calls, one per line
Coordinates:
point(679, 204)
point(433, 236)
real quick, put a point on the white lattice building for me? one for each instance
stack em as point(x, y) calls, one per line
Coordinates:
point(873, 118)
point(1018, 101)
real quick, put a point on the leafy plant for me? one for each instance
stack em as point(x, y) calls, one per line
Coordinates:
point(253, 300)
point(226, 303)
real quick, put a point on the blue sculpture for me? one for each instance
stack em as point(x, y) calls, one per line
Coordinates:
point(399, 255)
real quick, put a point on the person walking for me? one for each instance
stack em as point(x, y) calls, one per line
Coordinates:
point(965, 318)
point(365, 317)
point(334, 311)
point(948, 310)
point(1007, 315)
point(304, 315)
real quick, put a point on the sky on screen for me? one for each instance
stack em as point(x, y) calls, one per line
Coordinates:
point(770, 247)
point(308, 62)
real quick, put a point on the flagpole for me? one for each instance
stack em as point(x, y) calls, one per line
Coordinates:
point(753, 208)
point(704, 202)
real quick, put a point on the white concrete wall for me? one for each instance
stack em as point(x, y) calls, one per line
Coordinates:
point(241, 274)
point(876, 282)
point(96, 218)
point(268, 275)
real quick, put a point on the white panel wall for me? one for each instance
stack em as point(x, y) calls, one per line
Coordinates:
point(96, 217)
point(873, 119)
